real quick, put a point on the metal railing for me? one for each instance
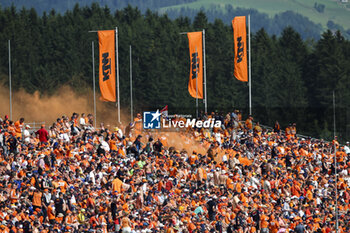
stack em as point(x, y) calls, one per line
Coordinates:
point(34, 125)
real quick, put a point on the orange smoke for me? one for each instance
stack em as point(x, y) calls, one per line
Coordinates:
point(44, 108)
point(179, 141)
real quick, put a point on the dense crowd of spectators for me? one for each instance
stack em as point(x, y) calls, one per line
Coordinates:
point(72, 177)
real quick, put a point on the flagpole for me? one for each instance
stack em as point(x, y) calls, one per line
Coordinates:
point(131, 107)
point(250, 73)
point(10, 79)
point(117, 55)
point(335, 169)
point(196, 83)
point(205, 76)
point(93, 79)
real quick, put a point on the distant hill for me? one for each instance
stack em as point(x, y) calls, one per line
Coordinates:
point(318, 11)
point(309, 17)
point(62, 6)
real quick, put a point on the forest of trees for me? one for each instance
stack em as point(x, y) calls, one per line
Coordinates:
point(62, 6)
point(273, 26)
point(292, 79)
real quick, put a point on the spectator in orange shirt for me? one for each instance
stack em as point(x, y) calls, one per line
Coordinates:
point(249, 123)
point(19, 127)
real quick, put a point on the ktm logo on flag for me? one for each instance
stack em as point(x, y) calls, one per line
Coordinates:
point(106, 66)
point(195, 65)
point(240, 48)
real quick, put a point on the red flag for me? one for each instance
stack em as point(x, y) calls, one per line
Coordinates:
point(164, 111)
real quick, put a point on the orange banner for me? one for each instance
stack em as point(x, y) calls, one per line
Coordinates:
point(195, 84)
point(107, 65)
point(240, 47)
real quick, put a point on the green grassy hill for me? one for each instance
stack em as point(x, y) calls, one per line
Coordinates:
point(334, 10)
point(308, 17)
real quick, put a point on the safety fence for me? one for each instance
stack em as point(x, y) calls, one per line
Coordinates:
point(34, 126)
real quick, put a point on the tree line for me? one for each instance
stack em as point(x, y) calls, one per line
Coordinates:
point(273, 26)
point(292, 79)
point(62, 6)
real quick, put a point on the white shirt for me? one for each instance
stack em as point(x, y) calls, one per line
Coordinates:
point(105, 145)
point(24, 164)
point(26, 135)
point(161, 199)
point(64, 137)
point(218, 137)
point(42, 163)
point(318, 201)
point(47, 197)
point(347, 149)
point(267, 185)
point(255, 182)
point(286, 206)
point(119, 133)
point(82, 121)
point(92, 177)
point(72, 200)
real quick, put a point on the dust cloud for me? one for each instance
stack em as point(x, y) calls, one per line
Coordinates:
point(44, 108)
point(180, 141)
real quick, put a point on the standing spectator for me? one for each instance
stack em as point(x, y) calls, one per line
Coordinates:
point(249, 123)
point(212, 206)
point(82, 121)
point(293, 129)
point(26, 134)
point(43, 134)
point(277, 127)
point(12, 144)
point(347, 148)
point(138, 143)
point(18, 127)
point(158, 146)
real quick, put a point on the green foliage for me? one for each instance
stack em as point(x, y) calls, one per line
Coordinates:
point(292, 79)
point(62, 6)
point(319, 7)
point(273, 25)
point(332, 10)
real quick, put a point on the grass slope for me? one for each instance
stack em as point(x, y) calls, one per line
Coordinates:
point(338, 12)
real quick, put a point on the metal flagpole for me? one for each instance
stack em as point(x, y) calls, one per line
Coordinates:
point(131, 107)
point(196, 83)
point(93, 80)
point(333, 114)
point(10, 80)
point(205, 76)
point(335, 169)
point(250, 73)
point(117, 54)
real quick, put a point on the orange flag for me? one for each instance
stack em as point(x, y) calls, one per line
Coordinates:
point(240, 46)
point(107, 65)
point(195, 84)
